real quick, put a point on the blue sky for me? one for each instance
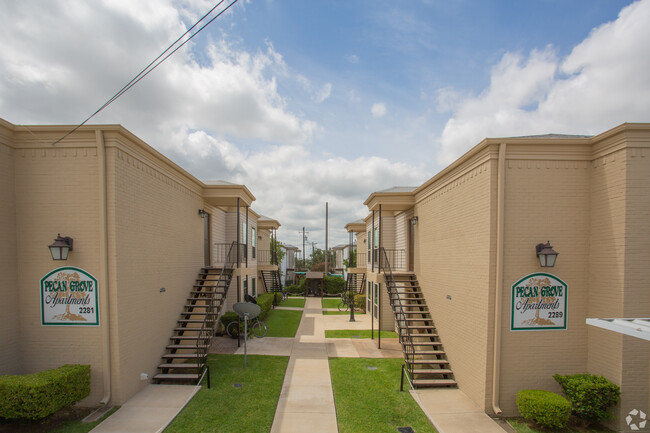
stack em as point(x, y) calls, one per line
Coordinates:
point(307, 102)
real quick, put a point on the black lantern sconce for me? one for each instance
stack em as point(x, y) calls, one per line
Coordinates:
point(61, 247)
point(546, 255)
point(414, 220)
point(202, 213)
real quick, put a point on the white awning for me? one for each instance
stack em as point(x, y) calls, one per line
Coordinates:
point(639, 328)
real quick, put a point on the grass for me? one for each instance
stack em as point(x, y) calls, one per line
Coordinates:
point(341, 313)
point(67, 420)
point(357, 333)
point(226, 409)
point(330, 302)
point(523, 426)
point(283, 323)
point(293, 302)
point(370, 400)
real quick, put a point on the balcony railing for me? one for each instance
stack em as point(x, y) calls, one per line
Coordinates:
point(397, 258)
point(222, 253)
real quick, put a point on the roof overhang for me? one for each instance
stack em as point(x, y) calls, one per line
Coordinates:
point(264, 223)
point(356, 227)
point(226, 195)
point(390, 201)
point(639, 328)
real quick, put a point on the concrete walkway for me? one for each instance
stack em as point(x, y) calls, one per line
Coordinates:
point(149, 411)
point(306, 401)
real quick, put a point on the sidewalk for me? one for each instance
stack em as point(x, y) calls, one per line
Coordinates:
point(307, 401)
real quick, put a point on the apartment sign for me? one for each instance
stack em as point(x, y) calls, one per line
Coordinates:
point(539, 302)
point(69, 297)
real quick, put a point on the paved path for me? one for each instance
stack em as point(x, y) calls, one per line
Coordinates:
point(306, 401)
point(149, 411)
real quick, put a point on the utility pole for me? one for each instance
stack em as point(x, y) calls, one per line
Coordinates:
point(326, 249)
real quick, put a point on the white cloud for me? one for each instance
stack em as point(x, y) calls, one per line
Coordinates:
point(604, 81)
point(378, 109)
point(323, 94)
point(353, 58)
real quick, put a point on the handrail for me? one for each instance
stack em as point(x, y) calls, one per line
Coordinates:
point(209, 321)
point(400, 313)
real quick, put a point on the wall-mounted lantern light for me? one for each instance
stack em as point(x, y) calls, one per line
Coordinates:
point(414, 220)
point(202, 213)
point(61, 247)
point(546, 255)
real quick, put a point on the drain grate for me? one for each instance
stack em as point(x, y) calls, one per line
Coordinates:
point(371, 368)
point(237, 385)
point(405, 429)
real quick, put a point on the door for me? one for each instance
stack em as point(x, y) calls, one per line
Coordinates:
point(411, 247)
point(206, 240)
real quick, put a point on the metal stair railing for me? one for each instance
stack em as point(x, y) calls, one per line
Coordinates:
point(396, 301)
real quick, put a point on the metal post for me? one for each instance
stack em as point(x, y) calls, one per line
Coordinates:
point(246, 234)
point(304, 257)
point(372, 242)
point(351, 294)
point(245, 336)
point(401, 384)
point(326, 251)
point(379, 290)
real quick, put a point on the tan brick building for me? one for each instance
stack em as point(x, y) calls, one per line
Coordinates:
point(142, 228)
point(468, 237)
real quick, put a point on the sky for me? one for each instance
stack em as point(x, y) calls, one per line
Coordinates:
point(308, 102)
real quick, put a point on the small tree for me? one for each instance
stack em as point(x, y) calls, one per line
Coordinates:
point(277, 250)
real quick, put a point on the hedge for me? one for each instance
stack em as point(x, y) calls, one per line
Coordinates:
point(546, 408)
point(39, 395)
point(590, 395)
point(333, 285)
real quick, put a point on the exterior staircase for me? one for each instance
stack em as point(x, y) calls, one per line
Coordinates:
point(355, 283)
point(185, 356)
point(424, 355)
point(272, 281)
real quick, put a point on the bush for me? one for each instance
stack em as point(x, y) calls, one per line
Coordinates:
point(333, 285)
point(294, 290)
point(590, 395)
point(39, 395)
point(277, 298)
point(546, 408)
point(360, 302)
point(265, 302)
point(228, 317)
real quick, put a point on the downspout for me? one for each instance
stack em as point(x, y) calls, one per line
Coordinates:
point(498, 286)
point(246, 234)
point(103, 264)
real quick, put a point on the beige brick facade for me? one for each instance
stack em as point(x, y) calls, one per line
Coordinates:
point(133, 215)
point(478, 222)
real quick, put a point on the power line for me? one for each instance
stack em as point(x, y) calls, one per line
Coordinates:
point(154, 63)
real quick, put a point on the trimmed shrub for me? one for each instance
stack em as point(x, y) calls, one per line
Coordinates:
point(265, 301)
point(39, 395)
point(228, 317)
point(277, 298)
point(294, 290)
point(333, 285)
point(360, 302)
point(590, 395)
point(546, 408)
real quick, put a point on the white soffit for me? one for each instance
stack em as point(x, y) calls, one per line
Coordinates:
point(639, 328)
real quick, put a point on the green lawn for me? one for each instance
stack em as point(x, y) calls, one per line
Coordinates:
point(224, 408)
point(357, 333)
point(331, 302)
point(293, 302)
point(283, 323)
point(65, 421)
point(370, 400)
point(522, 426)
point(340, 313)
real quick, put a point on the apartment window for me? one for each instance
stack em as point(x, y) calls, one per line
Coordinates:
point(245, 285)
point(244, 237)
point(375, 299)
point(369, 242)
point(253, 288)
point(375, 242)
point(369, 296)
point(253, 241)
